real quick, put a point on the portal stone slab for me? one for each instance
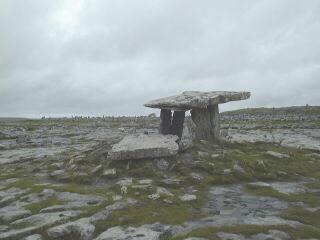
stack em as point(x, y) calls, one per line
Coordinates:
point(195, 99)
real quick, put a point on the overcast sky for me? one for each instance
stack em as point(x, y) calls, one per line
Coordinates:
point(109, 57)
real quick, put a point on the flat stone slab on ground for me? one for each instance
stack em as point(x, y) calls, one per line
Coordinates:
point(140, 146)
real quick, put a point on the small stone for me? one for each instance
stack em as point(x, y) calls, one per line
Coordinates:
point(125, 182)
point(171, 181)
point(57, 165)
point(196, 176)
point(109, 172)
point(154, 196)
point(57, 173)
point(215, 155)
point(188, 197)
point(202, 154)
point(261, 164)
point(124, 190)
point(230, 236)
point(73, 167)
point(145, 181)
point(48, 192)
point(161, 164)
point(34, 237)
point(71, 161)
point(259, 184)
point(96, 169)
point(167, 201)
point(121, 129)
point(226, 171)
point(237, 168)
point(141, 186)
point(116, 197)
point(187, 159)
point(281, 173)
point(277, 154)
point(164, 191)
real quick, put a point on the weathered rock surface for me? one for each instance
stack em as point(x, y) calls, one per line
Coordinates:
point(195, 238)
point(140, 146)
point(145, 232)
point(163, 179)
point(104, 214)
point(11, 213)
point(34, 237)
point(46, 219)
point(195, 99)
point(77, 230)
point(297, 138)
point(283, 187)
point(161, 164)
point(235, 202)
point(188, 135)
point(206, 121)
point(188, 197)
point(277, 154)
point(272, 234)
point(17, 233)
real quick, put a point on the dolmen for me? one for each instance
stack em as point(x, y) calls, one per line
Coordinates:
point(204, 117)
point(204, 111)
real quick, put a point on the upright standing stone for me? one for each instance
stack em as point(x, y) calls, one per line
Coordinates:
point(165, 121)
point(206, 121)
point(176, 127)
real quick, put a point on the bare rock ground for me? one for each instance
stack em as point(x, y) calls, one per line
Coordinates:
point(262, 182)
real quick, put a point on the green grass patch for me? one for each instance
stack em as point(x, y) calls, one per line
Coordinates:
point(303, 216)
point(36, 207)
point(27, 184)
point(255, 161)
point(148, 212)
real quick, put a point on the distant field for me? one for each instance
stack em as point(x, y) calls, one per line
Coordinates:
point(282, 110)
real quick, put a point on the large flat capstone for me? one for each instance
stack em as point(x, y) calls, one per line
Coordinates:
point(195, 99)
point(140, 146)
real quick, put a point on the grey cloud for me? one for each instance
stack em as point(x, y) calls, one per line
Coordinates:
point(108, 57)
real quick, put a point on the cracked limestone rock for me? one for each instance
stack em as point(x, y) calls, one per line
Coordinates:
point(141, 146)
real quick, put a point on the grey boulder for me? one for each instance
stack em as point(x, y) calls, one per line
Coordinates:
point(140, 146)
